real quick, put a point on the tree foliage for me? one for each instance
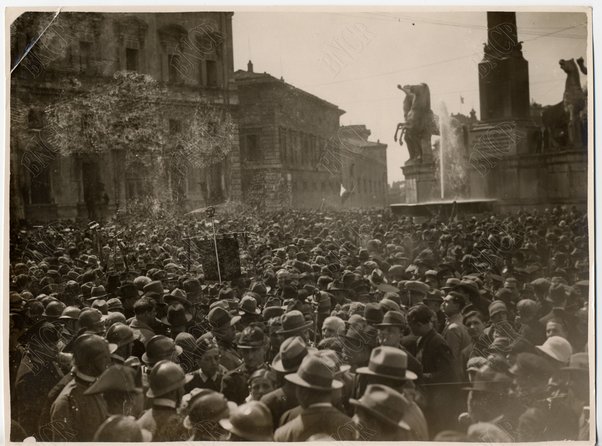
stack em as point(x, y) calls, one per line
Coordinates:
point(132, 112)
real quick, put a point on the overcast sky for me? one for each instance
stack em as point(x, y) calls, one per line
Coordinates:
point(355, 60)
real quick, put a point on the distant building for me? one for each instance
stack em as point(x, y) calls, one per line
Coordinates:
point(397, 192)
point(290, 155)
point(364, 168)
point(189, 53)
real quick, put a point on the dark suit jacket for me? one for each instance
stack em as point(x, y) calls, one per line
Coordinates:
point(278, 402)
point(317, 420)
point(436, 358)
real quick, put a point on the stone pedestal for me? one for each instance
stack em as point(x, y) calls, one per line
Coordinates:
point(421, 183)
point(532, 180)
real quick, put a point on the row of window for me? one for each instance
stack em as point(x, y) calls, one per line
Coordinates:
point(179, 68)
point(179, 64)
point(301, 148)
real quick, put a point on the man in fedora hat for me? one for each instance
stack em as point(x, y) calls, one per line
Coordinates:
point(249, 422)
point(388, 366)
point(223, 329)
point(167, 381)
point(252, 344)
point(314, 381)
point(489, 399)
point(578, 391)
point(295, 324)
point(379, 414)
point(391, 332)
point(129, 295)
point(249, 313)
point(291, 353)
point(433, 300)
point(415, 292)
point(177, 319)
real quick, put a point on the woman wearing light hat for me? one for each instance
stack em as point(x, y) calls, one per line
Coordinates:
point(203, 409)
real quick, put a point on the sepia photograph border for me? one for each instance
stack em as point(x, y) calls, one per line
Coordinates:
point(12, 12)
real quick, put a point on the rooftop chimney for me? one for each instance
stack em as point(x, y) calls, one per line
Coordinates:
point(250, 67)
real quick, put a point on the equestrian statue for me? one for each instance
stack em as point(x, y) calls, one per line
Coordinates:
point(564, 123)
point(420, 122)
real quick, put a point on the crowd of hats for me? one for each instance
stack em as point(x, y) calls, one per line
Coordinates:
point(333, 301)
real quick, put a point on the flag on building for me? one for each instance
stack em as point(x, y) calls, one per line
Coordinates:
point(344, 194)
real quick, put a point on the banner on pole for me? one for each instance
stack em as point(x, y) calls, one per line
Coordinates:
point(228, 254)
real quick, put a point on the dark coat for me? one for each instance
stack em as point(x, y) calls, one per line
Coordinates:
point(230, 358)
point(534, 332)
point(234, 384)
point(317, 420)
point(443, 397)
point(35, 378)
point(79, 415)
point(436, 358)
point(278, 402)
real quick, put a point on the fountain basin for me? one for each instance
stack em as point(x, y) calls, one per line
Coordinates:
point(444, 208)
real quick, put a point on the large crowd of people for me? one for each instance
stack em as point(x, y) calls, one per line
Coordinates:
point(341, 326)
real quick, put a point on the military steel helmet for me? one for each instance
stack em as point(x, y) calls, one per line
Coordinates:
point(121, 334)
point(161, 347)
point(121, 428)
point(165, 377)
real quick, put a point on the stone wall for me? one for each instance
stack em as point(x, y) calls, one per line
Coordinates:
point(521, 181)
point(188, 53)
point(288, 145)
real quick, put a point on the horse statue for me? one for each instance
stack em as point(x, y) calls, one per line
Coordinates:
point(562, 122)
point(419, 122)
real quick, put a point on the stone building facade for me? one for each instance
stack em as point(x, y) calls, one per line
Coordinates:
point(290, 153)
point(364, 168)
point(189, 54)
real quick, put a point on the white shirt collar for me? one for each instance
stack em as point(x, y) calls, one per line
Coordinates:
point(84, 377)
point(205, 377)
point(164, 402)
point(320, 405)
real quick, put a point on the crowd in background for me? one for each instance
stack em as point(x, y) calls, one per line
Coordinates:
point(341, 326)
